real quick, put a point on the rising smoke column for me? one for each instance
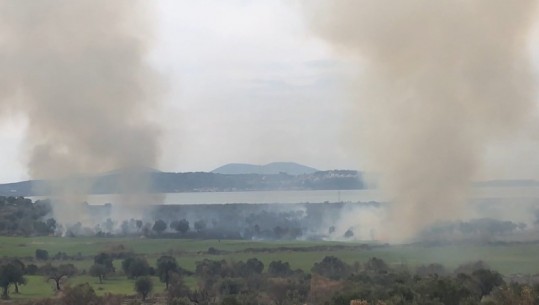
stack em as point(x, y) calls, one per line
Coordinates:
point(439, 80)
point(77, 71)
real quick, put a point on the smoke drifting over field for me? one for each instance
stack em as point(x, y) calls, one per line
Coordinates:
point(439, 81)
point(77, 71)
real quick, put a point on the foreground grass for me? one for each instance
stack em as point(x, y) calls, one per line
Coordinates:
point(507, 259)
point(38, 287)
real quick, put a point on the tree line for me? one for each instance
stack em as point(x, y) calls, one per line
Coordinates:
point(315, 221)
point(246, 282)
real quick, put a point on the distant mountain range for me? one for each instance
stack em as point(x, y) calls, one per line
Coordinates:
point(274, 168)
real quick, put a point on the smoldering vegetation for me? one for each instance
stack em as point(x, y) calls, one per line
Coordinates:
point(438, 81)
point(490, 221)
point(314, 221)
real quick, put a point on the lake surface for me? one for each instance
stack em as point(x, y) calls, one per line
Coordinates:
point(257, 197)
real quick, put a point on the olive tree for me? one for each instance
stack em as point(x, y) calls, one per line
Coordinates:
point(165, 266)
point(144, 286)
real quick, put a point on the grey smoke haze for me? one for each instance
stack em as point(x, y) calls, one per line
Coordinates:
point(439, 80)
point(77, 71)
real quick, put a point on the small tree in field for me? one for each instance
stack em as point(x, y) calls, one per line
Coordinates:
point(10, 273)
point(105, 259)
point(19, 279)
point(144, 286)
point(99, 271)
point(58, 273)
point(165, 266)
point(134, 267)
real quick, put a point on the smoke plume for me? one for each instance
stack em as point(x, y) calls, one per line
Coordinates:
point(77, 71)
point(438, 81)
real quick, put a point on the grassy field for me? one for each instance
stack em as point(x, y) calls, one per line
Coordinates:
point(507, 259)
point(38, 287)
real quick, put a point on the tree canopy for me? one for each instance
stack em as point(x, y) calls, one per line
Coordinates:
point(165, 266)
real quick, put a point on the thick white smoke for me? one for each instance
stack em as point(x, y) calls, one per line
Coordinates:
point(77, 70)
point(439, 80)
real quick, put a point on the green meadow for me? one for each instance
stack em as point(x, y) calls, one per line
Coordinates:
point(507, 258)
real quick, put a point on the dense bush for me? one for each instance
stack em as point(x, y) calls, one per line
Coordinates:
point(134, 267)
point(42, 254)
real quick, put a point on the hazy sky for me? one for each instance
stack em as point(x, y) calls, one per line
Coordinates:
point(247, 82)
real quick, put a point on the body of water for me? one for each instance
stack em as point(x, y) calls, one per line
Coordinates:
point(257, 197)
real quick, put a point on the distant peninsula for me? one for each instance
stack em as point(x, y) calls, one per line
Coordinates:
point(277, 176)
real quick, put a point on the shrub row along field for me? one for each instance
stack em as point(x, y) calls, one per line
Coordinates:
point(507, 259)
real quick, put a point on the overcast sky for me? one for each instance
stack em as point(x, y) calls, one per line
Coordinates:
point(246, 82)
